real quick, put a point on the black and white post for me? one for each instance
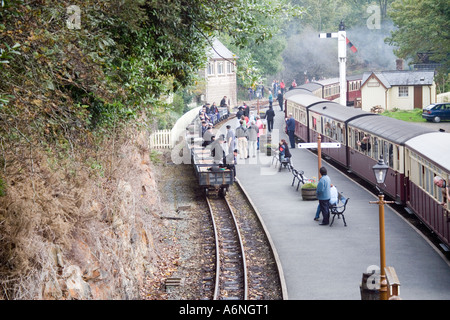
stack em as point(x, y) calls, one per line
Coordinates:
point(342, 56)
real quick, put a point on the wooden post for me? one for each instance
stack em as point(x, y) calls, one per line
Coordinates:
point(383, 282)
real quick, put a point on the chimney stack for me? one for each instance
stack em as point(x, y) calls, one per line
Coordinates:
point(399, 63)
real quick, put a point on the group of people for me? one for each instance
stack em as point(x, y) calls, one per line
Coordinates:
point(209, 115)
point(247, 133)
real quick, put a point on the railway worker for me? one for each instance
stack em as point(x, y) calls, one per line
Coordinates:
point(290, 127)
point(280, 99)
point(323, 195)
point(252, 139)
point(242, 136)
point(270, 114)
point(231, 139)
point(441, 183)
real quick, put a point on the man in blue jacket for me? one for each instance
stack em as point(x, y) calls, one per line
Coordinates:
point(323, 195)
point(290, 126)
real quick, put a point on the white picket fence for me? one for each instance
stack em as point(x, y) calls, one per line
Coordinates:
point(160, 139)
point(166, 139)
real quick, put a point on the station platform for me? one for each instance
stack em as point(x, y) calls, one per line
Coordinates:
point(327, 263)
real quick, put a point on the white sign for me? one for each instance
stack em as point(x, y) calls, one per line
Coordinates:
point(322, 145)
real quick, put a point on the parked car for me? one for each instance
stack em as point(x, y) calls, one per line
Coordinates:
point(436, 112)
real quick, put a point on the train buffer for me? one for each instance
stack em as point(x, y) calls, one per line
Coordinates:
point(393, 283)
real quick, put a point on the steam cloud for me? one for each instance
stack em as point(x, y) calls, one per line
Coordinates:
point(319, 57)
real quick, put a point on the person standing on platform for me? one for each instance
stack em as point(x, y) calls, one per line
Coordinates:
point(270, 99)
point(270, 114)
point(333, 200)
point(252, 139)
point(230, 138)
point(323, 195)
point(280, 99)
point(290, 127)
point(242, 136)
point(282, 87)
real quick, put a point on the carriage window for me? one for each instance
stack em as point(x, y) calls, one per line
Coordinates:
point(352, 139)
point(333, 130)
point(340, 133)
point(364, 143)
point(327, 130)
point(397, 158)
point(375, 153)
point(388, 154)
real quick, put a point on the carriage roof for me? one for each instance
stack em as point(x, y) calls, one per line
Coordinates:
point(434, 146)
point(391, 129)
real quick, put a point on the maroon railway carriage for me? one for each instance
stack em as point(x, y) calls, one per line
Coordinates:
point(353, 89)
point(297, 103)
point(330, 120)
point(427, 156)
point(386, 138)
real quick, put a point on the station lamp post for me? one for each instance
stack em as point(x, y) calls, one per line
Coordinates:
point(380, 171)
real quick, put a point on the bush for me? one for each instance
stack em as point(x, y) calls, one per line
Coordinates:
point(310, 185)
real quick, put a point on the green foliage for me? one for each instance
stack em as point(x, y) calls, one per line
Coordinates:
point(406, 115)
point(422, 26)
point(155, 157)
point(309, 185)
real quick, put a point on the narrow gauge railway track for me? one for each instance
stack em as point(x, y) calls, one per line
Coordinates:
point(231, 268)
point(239, 259)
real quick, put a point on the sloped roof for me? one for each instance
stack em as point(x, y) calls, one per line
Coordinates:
point(219, 51)
point(401, 78)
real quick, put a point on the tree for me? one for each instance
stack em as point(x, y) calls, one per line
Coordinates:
point(422, 26)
